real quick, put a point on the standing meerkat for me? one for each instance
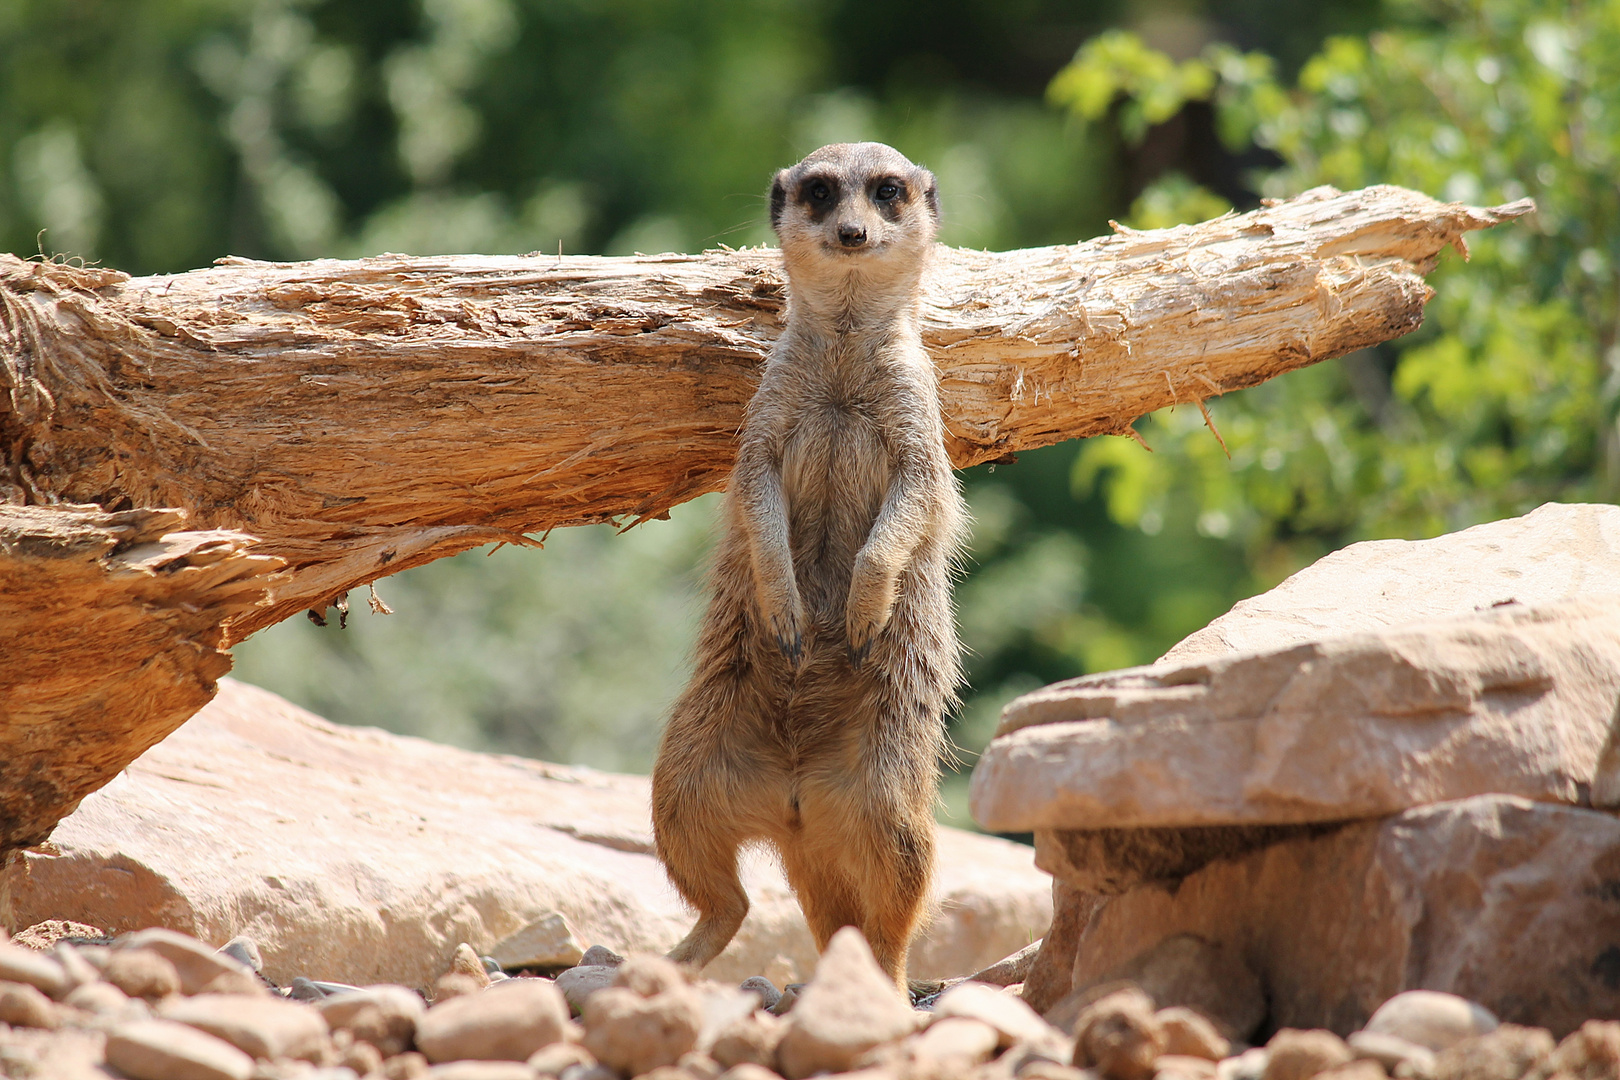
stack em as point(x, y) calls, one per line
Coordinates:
point(814, 717)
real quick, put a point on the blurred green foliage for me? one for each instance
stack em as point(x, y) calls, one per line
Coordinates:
point(156, 135)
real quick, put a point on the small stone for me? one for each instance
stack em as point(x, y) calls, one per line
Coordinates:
point(245, 951)
point(22, 965)
point(201, 969)
point(555, 1059)
point(465, 961)
point(98, 999)
point(648, 975)
point(600, 956)
point(752, 1038)
point(579, 983)
point(789, 998)
point(748, 1071)
point(957, 1043)
point(764, 989)
point(165, 1050)
point(849, 1007)
point(482, 1070)
point(1249, 1065)
point(22, 1005)
point(384, 1016)
point(1391, 1051)
point(43, 935)
point(79, 970)
point(699, 1065)
point(1359, 1069)
point(456, 984)
point(634, 1034)
point(1298, 1055)
point(1013, 1021)
point(1432, 1019)
point(142, 973)
point(1183, 1067)
point(1038, 1068)
point(406, 1066)
point(362, 1057)
point(508, 1022)
point(303, 989)
point(1119, 1036)
point(1188, 1033)
point(547, 942)
point(264, 1028)
point(1591, 1052)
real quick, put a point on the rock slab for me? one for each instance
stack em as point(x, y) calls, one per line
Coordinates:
point(362, 857)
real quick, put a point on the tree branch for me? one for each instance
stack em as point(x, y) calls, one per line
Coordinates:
point(360, 418)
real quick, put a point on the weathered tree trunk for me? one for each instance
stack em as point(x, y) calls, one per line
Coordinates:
point(363, 417)
point(354, 419)
point(111, 636)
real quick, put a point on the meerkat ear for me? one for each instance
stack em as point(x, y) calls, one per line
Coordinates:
point(931, 194)
point(778, 198)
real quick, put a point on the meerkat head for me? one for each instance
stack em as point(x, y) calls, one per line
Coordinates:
point(854, 211)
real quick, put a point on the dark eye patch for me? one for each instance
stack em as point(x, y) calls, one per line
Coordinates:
point(819, 194)
point(888, 190)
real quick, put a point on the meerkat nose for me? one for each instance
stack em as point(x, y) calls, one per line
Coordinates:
point(851, 236)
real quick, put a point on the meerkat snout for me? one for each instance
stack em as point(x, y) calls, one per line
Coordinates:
point(851, 236)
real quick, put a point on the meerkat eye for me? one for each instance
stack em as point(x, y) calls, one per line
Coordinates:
point(885, 192)
point(820, 192)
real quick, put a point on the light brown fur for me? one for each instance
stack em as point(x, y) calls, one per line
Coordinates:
point(813, 720)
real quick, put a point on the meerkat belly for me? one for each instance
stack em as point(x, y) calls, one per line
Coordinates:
point(835, 472)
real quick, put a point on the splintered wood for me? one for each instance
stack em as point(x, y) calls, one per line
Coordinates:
point(364, 417)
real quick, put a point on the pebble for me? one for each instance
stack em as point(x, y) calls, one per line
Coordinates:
point(1183, 1067)
point(748, 1039)
point(201, 969)
point(1012, 1020)
point(21, 965)
point(1119, 1035)
point(633, 1033)
point(579, 983)
point(165, 1050)
point(599, 956)
point(482, 1070)
point(22, 1005)
point(956, 1043)
point(1589, 1052)
point(508, 1022)
point(384, 1016)
point(261, 1027)
point(748, 1071)
point(99, 999)
point(789, 998)
point(1189, 1033)
point(79, 970)
point(764, 989)
point(465, 961)
point(245, 951)
point(456, 984)
point(847, 1008)
point(1293, 1054)
point(142, 973)
point(1249, 1065)
point(559, 1057)
point(1391, 1051)
point(303, 989)
point(1358, 1069)
point(1430, 1018)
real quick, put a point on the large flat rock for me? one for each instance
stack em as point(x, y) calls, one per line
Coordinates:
point(1515, 700)
point(1511, 903)
point(1561, 551)
point(358, 856)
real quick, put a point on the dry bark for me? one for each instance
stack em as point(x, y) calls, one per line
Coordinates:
point(364, 417)
point(111, 636)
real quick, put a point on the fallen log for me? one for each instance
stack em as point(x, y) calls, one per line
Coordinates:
point(111, 636)
point(364, 417)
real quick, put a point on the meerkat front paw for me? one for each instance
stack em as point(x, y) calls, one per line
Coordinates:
point(867, 613)
point(787, 625)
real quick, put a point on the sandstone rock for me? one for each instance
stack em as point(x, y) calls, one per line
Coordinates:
point(848, 1008)
point(79, 970)
point(142, 973)
point(1012, 1020)
point(384, 1016)
point(1299, 1055)
point(1509, 1052)
point(260, 1027)
point(634, 1034)
point(1249, 1065)
point(748, 1071)
point(559, 1057)
point(579, 983)
point(202, 970)
point(21, 1005)
point(22, 965)
point(1497, 899)
point(1512, 700)
point(1119, 1036)
point(245, 951)
point(44, 935)
point(648, 975)
point(1431, 1019)
point(1591, 1052)
point(406, 1066)
point(1359, 1069)
point(456, 984)
point(99, 999)
point(547, 942)
point(1392, 1051)
point(600, 956)
point(507, 1022)
point(1190, 1034)
point(165, 1050)
point(1183, 1067)
point(1558, 552)
point(464, 961)
point(1051, 975)
point(752, 1038)
point(410, 848)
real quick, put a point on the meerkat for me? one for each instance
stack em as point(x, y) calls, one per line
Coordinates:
point(813, 721)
